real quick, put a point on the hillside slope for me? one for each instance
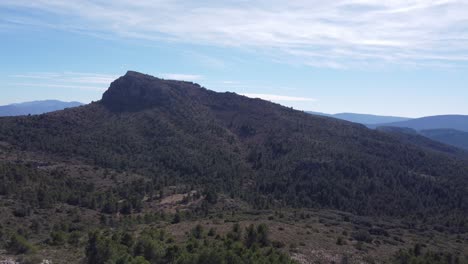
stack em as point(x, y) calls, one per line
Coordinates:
point(448, 136)
point(423, 139)
point(177, 133)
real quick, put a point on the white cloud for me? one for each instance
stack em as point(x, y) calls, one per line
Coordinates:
point(230, 82)
point(180, 76)
point(275, 97)
point(333, 34)
point(66, 80)
point(69, 76)
point(80, 80)
point(49, 85)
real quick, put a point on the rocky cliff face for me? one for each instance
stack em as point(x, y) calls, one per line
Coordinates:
point(136, 91)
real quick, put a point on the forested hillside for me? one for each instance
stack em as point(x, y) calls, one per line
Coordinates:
point(451, 137)
point(180, 133)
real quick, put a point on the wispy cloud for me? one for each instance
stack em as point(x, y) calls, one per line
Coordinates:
point(333, 34)
point(275, 97)
point(65, 80)
point(49, 85)
point(181, 76)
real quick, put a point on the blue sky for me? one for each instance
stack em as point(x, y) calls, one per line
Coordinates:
point(406, 58)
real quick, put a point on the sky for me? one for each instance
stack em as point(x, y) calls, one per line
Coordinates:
point(394, 57)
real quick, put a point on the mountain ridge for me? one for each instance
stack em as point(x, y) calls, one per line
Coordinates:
point(365, 119)
point(442, 128)
point(425, 140)
point(177, 132)
point(448, 136)
point(36, 107)
point(457, 122)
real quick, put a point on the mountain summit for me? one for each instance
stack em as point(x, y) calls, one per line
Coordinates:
point(136, 91)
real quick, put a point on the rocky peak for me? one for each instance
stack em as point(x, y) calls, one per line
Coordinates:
point(136, 91)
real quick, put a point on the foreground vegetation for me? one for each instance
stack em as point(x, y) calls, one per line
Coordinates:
point(155, 246)
point(417, 255)
point(181, 233)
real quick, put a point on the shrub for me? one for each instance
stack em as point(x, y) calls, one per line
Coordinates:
point(359, 245)
point(262, 235)
point(20, 245)
point(177, 218)
point(21, 212)
point(212, 232)
point(140, 260)
point(197, 232)
point(57, 238)
point(362, 236)
point(74, 238)
point(379, 232)
point(340, 241)
point(30, 259)
point(278, 244)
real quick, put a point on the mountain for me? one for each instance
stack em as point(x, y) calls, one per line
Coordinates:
point(363, 118)
point(448, 136)
point(431, 139)
point(35, 107)
point(369, 119)
point(162, 171)
point(176, 131)
point(457, 122)
point(447, 129)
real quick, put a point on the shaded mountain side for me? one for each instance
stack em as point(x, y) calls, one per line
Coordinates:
point(411, 136)
point(441, 127)
point(363, 118)
point(180, 133)
point(452, 137)
point(35, 107)
point(457, 122)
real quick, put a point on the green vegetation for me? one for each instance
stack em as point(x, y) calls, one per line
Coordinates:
point(19, 245)
point(417, 256)
point(155, 246)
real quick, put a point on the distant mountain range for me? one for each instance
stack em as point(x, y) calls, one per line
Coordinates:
point(35, 107)
point(448, 129)
point(364, 118)
point(448, 136)
point(457, 122)
point(430, 139)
